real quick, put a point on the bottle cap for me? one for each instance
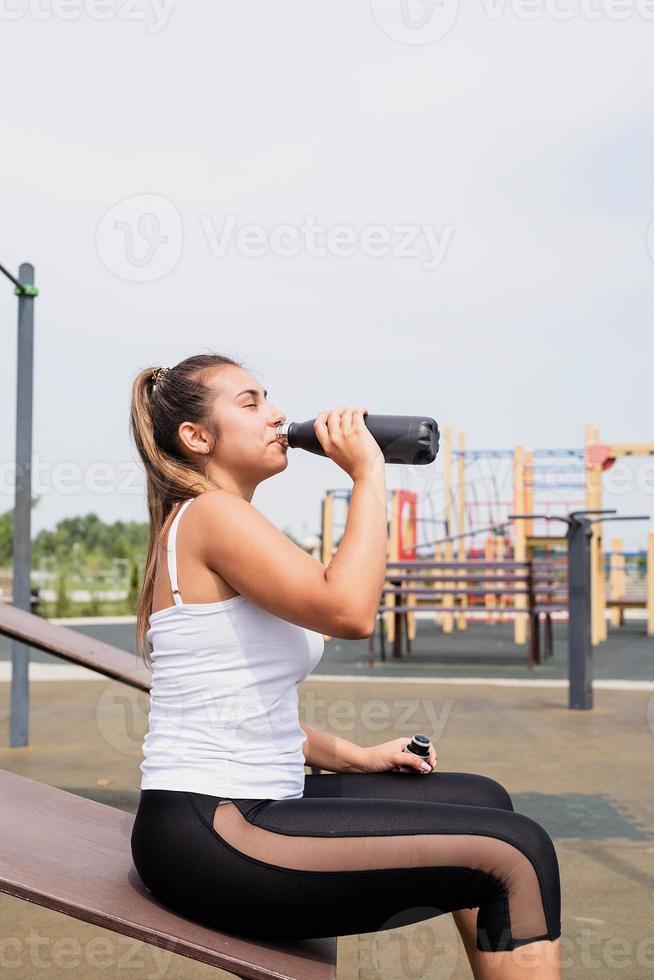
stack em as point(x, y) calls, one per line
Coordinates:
point(419, 745)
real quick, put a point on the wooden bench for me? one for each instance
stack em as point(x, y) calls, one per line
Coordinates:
point(73, 855)
point(623, 603)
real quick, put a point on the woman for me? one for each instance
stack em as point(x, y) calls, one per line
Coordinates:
point(229, 831)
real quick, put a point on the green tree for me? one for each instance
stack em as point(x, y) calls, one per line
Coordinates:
point(93, 607)
point(6, 537)
point(63, 603)
point(134, 586)
point(7, 533)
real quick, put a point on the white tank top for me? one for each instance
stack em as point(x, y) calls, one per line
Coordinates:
point(224, 697)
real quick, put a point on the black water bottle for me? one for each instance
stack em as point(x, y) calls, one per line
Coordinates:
point(402, 438)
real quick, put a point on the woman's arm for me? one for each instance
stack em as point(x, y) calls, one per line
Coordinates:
point(325, 751)
point(335, 754)
point(359, 565)
point(246, 549)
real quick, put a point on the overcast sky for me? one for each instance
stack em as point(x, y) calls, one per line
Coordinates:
point(423, 209)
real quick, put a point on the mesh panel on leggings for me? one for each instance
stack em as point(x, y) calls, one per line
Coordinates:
point(342, 853)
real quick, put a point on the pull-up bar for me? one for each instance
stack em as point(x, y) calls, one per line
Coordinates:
point(580, 650)
point(22, 288)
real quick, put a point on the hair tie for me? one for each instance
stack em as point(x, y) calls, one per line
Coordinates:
point(159, 374)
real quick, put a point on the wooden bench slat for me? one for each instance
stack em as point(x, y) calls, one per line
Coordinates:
point(74, 646)
point(73, 855)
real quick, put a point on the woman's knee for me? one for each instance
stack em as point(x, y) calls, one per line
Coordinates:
point(492, 793)
point(529, 889)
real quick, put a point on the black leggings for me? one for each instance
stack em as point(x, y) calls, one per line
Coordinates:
point(356, 853)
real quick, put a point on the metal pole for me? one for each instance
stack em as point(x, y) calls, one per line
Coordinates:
point(534, 620)
point(549, 637)
point(580, 650)
point(397, 635)
point(22, 543)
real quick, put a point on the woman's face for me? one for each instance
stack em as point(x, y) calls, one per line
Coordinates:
point(247, 422)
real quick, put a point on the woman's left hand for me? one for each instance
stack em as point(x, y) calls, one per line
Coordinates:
point(390, 755)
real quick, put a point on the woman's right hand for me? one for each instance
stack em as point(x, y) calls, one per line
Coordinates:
point(343, 434)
